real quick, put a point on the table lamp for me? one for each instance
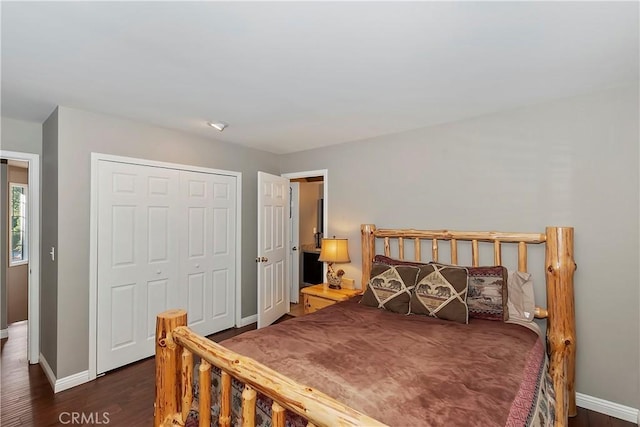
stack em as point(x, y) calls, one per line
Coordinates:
point(334, 250)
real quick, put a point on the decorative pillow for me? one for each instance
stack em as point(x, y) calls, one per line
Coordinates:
point(390, 287)
point(441, 291)
point(521, 300)
point(381, 259)
point(488, 293)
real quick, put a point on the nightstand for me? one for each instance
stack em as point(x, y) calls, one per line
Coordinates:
point(320, 296)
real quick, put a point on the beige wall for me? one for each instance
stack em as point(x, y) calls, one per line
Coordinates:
point(49, 239)
point(18, 135)
point(17, 275)
point(571, 162)
point(310, 192)
point(79, 134)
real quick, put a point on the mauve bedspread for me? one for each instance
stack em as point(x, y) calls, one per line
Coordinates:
point(411, 370)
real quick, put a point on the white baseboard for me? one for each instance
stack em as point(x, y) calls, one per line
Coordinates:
point(71, 381)
point(248, 320)
point(612, 409)
point(4, 333)
point(65, 383)
point(48, 372)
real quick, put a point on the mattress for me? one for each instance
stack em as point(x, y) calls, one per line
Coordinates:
point(406, 369)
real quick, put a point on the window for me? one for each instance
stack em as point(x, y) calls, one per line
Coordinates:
point(18, 253)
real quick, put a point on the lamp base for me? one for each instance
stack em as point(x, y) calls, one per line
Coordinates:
point(333, 280)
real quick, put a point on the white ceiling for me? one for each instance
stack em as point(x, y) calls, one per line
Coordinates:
point(291, 76)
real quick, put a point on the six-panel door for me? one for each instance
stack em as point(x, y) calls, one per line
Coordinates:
point(166, 239)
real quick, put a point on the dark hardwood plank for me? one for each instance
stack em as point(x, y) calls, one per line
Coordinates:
point(586, 418)
point(125, 395)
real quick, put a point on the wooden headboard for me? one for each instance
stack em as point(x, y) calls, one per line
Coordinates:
point(559, 267)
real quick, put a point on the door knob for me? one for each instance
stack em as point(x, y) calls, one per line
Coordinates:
point(158, 272)
point(295, 248)
point(262, 259)
point(197, 265)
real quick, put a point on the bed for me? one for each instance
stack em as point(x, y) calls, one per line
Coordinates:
point(356, 364)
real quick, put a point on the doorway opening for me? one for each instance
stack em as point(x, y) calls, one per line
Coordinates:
point(309, 224)
point(20, 222)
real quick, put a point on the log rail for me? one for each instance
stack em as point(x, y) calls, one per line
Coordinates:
point(175, 346)
point(559, 268)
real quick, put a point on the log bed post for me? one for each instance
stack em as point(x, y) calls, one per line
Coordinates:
point(561, 327)
point(368, 251)
point(168, 366)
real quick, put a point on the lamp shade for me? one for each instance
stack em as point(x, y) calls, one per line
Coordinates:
point(334, 250)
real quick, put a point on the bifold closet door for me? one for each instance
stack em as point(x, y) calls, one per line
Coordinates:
point(138, 258)
point(208, 248)
point(166, 239)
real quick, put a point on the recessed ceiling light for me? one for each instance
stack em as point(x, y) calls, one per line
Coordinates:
point(219, 126)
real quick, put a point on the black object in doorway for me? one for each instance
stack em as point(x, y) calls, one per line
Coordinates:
point(311, 268)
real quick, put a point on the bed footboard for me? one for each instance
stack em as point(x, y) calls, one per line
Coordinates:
point(176, 345)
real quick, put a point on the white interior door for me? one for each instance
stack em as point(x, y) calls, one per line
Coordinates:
point(294, 221)
point(137, 258)
point(273, 239)
point(208, 248)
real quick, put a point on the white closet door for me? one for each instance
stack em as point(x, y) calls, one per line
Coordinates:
point(137, 258)
point(208, 248)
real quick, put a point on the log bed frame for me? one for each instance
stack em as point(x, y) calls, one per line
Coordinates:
point(176, 344)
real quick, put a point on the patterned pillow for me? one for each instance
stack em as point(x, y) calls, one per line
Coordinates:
point(488, 293)
point(390, 287)
point(441, 291)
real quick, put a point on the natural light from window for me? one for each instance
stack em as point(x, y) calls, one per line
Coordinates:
point(18, 253)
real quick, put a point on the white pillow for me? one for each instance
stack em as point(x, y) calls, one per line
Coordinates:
point(521, 301)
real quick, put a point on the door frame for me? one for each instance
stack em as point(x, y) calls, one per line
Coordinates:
point(294, 219)
point(324, 173)
point(93, 238)
point(33, 322)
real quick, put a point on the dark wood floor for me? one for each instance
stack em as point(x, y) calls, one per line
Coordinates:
point(125, 395)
